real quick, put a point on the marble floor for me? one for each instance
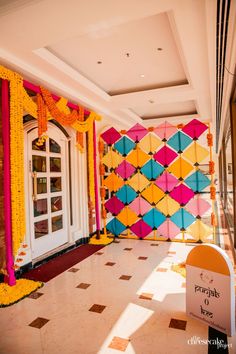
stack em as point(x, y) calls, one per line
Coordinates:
point(125, 298)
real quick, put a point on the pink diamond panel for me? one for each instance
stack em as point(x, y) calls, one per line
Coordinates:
point(125, 169)
point(182, 194)
point(140, 206)
point(110, 136)
point(141, 229)
point(114, 205)
point(137, 132)
point(198, 206)
point(165, 130)
point(165, 156)
point(166, 182)
point(168, 229)
point(194, 128)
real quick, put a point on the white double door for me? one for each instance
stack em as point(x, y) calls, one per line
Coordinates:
point(48, 191)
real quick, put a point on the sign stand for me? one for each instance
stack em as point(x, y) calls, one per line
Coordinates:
point(210, 295)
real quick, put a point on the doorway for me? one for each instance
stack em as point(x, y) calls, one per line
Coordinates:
point(48, 191)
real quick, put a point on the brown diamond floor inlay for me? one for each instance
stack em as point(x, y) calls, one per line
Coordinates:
point(171, 252)
point(119, 343)
point(73, 270)
point(154, 244)
point(127, 249)
point(99, 253)
point(110, 264)
point(125, 277)
point(161, 270)
point(143, 258)
point(146, 296)
point(178, 324)
point(35, 295)
point(39, 322)
point(83, 286)
point(97, 308)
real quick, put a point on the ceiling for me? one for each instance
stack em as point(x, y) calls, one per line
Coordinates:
point(130, 60)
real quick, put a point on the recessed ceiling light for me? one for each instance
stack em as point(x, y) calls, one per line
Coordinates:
point(99, 62)
point(159, 48)
point(142, 75)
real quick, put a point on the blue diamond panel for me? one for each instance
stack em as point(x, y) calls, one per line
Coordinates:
point(179, 141)
point(152, 169)
point(124, 145)
point(115, 227)
point(126, 194)
point(197, 181)
point(182, 218)
point(154, 218)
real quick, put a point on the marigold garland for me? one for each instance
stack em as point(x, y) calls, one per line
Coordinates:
point(42, 116)
point(61, 117)
point(62, 105)
point(85, 126)
point(213, 192)
point(104, 213)
point(16, 156)
point(9, 295)
point(31, 107)
point(79, 135)
point(213, 219)
point(102, 169)
point(100, 146)
point(17, 161)
point(210, 139)
point(103, 192)
point(211, 167)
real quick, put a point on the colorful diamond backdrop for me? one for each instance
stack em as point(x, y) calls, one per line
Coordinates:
point(155, 181)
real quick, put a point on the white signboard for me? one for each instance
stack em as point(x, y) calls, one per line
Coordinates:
point(210, 295)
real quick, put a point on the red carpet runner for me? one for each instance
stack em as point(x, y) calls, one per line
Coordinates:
point(60, 264)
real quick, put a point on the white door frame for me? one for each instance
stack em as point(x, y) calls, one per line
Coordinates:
point(79, 192)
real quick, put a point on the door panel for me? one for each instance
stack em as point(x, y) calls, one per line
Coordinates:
point(47, 191)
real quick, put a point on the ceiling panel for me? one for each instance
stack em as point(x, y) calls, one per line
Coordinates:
point(139, 55)
point(154, 110)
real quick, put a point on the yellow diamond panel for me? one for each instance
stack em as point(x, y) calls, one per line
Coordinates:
point(150, 143)
point(180, 168)
point(127, 216)
point(195, 153)
point(168, 206)
point(137, 158)
point(113, 182)
point(199, 230)
point(138, 182)
point(112, 159)
point(153, 194)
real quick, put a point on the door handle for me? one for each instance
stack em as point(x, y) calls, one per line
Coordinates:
point(34, 196)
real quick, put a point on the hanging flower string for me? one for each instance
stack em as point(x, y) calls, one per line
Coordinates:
point(42, 120)
point(79, 135)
